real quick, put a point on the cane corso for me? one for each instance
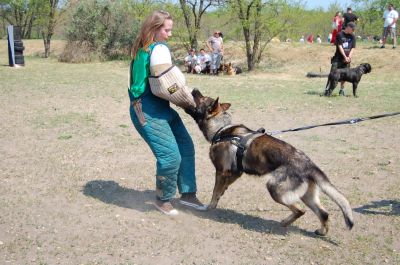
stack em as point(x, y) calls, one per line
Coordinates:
point(293, 176)
point(352, 75)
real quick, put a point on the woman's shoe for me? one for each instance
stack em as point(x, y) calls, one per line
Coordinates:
point(165, 207)
point(190, 200)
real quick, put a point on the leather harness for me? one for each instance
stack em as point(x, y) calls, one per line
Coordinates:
point(240, 141)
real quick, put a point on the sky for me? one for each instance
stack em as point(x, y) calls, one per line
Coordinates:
point(311, 4)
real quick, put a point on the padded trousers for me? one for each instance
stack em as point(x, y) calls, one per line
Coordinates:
point(171, 145)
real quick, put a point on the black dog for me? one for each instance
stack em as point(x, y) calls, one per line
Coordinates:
point(352, 75)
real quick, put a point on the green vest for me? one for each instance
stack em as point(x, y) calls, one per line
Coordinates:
point(140, 72)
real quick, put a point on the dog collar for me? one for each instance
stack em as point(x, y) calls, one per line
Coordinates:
point(217, 136)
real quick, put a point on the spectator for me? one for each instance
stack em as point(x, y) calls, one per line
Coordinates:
point(389, 28)
point(336, 26)
point(203, 62)
point(190, 60)
point(310, 38)
point(319, 41)
point(349, 17)
point(301, 39)
point(215, 45)
point(345, 45)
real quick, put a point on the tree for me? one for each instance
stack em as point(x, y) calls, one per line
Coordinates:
point(260, 22)
point(50, 8)
point(193, 11)
point(20, 13)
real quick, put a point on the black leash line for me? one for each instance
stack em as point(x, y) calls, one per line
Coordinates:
point(349, 121)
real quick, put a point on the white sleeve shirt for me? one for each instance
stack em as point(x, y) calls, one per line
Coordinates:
point(160, 55)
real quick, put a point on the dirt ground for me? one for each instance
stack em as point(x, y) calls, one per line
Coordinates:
point(77, 181)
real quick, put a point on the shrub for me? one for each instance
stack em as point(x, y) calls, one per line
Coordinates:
point(102, 29)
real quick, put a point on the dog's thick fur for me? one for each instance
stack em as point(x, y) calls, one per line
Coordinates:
point(232, 70)
point(294, 177)
point(352, 75)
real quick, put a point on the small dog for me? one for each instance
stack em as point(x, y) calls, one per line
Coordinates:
point(232, 70)
point(294, 177)
point(352, 75)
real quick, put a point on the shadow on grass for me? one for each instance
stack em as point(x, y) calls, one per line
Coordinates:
point(111, 192)
point(313, 93)
point(383, 207)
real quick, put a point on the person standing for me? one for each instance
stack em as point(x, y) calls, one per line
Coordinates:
point(349, 16)
point(310, 38)
point(319, 40)
point(216, 46)
point(389, 27)
point(156, 122)
point(345, 45)
point(336, 26)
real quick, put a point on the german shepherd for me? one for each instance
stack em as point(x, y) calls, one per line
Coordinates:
point(352, 75)
point(294, 177)
point(232, 70)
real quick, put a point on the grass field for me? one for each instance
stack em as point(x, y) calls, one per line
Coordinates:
point(77, 181)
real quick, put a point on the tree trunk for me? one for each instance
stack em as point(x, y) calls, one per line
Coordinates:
point(46, 42)
point(188, 22)
point(50, 27)
point(193, 17)
point(244, 12)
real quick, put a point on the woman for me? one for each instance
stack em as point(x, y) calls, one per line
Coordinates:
point(157, 123)
point(336, 26)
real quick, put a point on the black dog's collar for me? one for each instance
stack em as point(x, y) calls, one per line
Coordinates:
point(217, 136)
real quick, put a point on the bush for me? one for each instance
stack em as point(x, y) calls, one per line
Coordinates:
point(77, 52)
point(100, 29)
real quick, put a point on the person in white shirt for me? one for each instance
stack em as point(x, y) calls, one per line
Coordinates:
point(389, 28)
point(319, 41)
point(190, 60)
point(203, 62)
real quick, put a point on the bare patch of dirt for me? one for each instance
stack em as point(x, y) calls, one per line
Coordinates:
point(77, 181)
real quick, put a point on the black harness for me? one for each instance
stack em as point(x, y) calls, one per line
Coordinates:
point(238, 140)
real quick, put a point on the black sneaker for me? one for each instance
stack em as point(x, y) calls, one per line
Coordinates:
point(394, 47)
point(383, 47)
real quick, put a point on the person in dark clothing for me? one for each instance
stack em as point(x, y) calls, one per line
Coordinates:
point(345, 45)
point(349, 16)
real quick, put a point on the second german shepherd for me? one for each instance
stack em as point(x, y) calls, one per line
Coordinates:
point(294, 177)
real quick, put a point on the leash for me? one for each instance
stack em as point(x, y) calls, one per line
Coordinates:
point(349, 121)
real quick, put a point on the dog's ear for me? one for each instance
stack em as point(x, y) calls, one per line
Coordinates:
point(214, 106)
point(197, 93)
point(225, 106)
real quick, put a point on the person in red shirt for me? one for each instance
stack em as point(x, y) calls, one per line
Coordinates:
point(310, 38)
point(336, 26)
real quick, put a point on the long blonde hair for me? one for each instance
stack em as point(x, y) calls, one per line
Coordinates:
point(149, 27)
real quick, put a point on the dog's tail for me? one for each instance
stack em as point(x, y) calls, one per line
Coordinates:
point(330, 190)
